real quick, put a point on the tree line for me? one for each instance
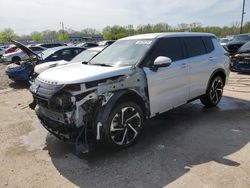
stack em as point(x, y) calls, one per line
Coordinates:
point(117, 31)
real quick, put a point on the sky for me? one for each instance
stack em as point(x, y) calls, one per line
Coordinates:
point(25, 16)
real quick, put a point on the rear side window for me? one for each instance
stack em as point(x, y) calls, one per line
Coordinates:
point(208, 43)
point(195, 46)
point(168, 47)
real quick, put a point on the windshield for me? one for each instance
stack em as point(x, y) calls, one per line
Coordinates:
point(47, 53)
point(84, 56)
point(122, 53)
point(242, 38)
point(245, 48)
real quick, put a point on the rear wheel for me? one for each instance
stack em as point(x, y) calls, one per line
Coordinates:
point(123, 125)
point(214, 92)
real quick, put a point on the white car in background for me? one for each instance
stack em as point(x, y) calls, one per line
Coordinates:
point(84, 56)
point(19, 55)
point(2, 50)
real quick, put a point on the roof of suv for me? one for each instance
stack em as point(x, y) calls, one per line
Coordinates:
point(169, 34)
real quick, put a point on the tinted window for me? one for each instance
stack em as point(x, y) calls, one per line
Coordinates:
point(245, 48)
point(195, 46)
point(242, 38)
point(51, 45)
point(208, 43)
point(168, 47)
point(36, 48)
point(77, 51)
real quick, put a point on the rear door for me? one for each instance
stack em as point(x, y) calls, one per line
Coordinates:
point(200, 63)
point(168, 87)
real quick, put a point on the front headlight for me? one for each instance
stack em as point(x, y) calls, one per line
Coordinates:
point(61, 101)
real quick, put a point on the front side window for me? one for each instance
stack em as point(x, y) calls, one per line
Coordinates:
point(195, 46)
point(123, 53)
point(168, 47)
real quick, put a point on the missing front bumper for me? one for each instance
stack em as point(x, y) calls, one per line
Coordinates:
point(66, 132)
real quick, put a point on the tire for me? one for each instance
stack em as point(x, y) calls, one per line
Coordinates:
point(214, 92)
point(122, 132)
point(16, 59)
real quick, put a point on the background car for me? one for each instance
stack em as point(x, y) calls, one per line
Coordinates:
point(10, 49)
point(60, 53)
point(87, 45)
point(19, 55)
point(84, 56)
point(106, 42)
point(238, 40)
point(241, 61)
point(2, 50)
point(51, 45)
point(25, 70)
point(224, 41)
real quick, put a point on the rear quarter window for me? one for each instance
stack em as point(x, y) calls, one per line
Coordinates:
point(208, 43)
point(195, 46)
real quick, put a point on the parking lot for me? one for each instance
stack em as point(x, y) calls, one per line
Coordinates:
point(190, 146)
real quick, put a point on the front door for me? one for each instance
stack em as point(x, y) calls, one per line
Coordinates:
point(168, 87)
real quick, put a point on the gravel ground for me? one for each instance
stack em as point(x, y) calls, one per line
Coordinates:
point(190, 146)
point(4, 80)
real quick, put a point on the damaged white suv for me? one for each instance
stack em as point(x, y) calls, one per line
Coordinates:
point(135, 78)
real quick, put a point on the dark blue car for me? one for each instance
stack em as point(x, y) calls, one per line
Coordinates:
point(241, 61)
point(23, 71)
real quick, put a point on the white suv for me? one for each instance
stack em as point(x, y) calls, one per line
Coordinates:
point(135, 78)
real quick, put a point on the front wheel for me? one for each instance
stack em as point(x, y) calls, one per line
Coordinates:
point(214, 92)
point(123, 125)
point(16, 59)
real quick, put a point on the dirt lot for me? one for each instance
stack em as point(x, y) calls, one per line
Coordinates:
point(187, 147)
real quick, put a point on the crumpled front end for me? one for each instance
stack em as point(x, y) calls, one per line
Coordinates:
point(19, 72)
point(70, 111)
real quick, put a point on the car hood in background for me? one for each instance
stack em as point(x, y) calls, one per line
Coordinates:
point(235, 43)
point(47, 65)
point(26, 50)
point(80, 73)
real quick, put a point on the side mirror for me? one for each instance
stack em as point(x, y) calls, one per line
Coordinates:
point(161, 61)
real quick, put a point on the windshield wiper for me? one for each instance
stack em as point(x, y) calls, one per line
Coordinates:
point(101, 64)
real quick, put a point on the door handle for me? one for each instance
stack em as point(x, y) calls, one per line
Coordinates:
point(183, 65)
point(212, 58)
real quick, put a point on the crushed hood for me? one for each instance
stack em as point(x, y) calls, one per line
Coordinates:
point(80, 73)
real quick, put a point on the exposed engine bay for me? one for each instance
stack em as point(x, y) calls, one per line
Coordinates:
point(74, 112)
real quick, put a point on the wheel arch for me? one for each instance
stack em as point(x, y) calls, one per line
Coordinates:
point(118, 97)
point(218, 72)
point(124, 95)
point(15, 57)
